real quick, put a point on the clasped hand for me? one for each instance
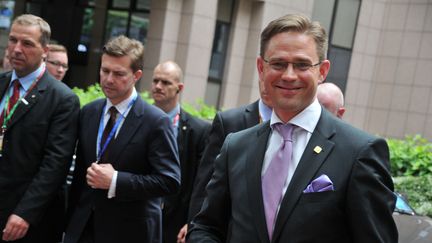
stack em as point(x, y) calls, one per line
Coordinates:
point(99, 176)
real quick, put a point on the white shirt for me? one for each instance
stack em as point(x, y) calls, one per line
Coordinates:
point(123, 110)
point(305, 123)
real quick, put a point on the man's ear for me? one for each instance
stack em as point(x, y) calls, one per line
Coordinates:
point(137, 75)
point(180, 87)
point(324, 70)
point(260, 67)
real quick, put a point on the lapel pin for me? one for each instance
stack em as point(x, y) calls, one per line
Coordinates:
point(33, 96)
point(184, 128)
point(317, 149)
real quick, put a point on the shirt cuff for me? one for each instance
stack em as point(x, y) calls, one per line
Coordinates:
point(112, 188)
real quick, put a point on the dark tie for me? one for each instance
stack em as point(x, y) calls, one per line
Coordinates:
point(109, 126)
point(12, 100)
point(275, 176)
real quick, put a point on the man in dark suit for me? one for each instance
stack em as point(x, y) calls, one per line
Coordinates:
point(39, 122)
point(126, 157)
point(191, 139)
point(224, 123)
point(323, 181)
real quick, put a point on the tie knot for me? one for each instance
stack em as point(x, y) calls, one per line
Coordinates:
point(285, 130)
point(113, 112)
point(16, 83)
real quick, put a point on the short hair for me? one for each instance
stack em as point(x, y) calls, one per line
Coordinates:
point(171, 64)
point(123, 46)
point(32, 20)
point(57, 48)
point(296, 23)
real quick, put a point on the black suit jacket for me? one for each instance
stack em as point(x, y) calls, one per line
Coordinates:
point(145, 155)
point(224, 123)
point(37, 151)
point(191, 140)
point(358, 210)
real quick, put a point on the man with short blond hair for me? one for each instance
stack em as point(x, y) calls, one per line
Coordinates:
point(305, 175)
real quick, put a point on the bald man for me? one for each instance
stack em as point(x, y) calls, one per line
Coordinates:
point(191, 139)
point(331, 97)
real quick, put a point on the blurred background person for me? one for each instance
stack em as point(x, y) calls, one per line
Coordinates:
point(331, 97)
point(6, 66)
point(191, 133)
point(57, 61)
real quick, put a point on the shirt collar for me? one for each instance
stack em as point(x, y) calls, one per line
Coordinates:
point(174, 111)
point(264, 111)
point(306, 119)
point(122, 106)
point(27, 81)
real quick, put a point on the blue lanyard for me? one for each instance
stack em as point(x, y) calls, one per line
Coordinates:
point(113, 131)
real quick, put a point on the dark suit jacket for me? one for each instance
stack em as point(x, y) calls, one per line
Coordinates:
point(191, 140)
point(224, 123)
point(145, 155)
point(358, 210)
point(37, 151)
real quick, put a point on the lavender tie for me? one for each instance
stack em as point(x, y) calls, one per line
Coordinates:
point(275, 176)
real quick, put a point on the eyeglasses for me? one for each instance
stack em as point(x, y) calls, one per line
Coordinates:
point(281, 66)
point(59, 64)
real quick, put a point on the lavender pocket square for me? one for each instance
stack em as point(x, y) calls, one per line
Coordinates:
point(320, 184)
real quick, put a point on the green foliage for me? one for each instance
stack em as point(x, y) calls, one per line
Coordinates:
point(418, 191)
point(410, 157)
point(202, 110)
point(94, 92)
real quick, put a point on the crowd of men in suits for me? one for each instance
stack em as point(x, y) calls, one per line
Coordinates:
point(154, 173)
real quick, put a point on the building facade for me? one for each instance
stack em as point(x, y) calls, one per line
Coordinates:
point(381, 50)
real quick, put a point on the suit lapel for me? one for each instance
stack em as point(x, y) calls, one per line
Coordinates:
point(93, 127)
point(182, 133)
point(32, 98)
point(254, 164)
point(132, 122)
point(307, 168)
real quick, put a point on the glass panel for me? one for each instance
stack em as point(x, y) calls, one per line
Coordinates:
point(116, 23)
point(121, 3)
point(322, 12)
point(143, 4)
point(220, 44)
point(224, 10)
point(84, 43)
point(212, 94)
point(6, 13)
point(139, 27)
point(345, 23)
point(340, 61)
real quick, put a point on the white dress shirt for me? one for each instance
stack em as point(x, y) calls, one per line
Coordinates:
point(123, 109)
point(305, 123)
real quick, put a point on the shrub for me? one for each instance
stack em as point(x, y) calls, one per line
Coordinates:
point(418, 192)
point(94, 92)
point(410, 157)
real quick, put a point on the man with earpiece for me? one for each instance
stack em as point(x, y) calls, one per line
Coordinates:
point(191, 139)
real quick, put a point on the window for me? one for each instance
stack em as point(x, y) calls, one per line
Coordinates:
point(339, 17)
point(220, 46)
